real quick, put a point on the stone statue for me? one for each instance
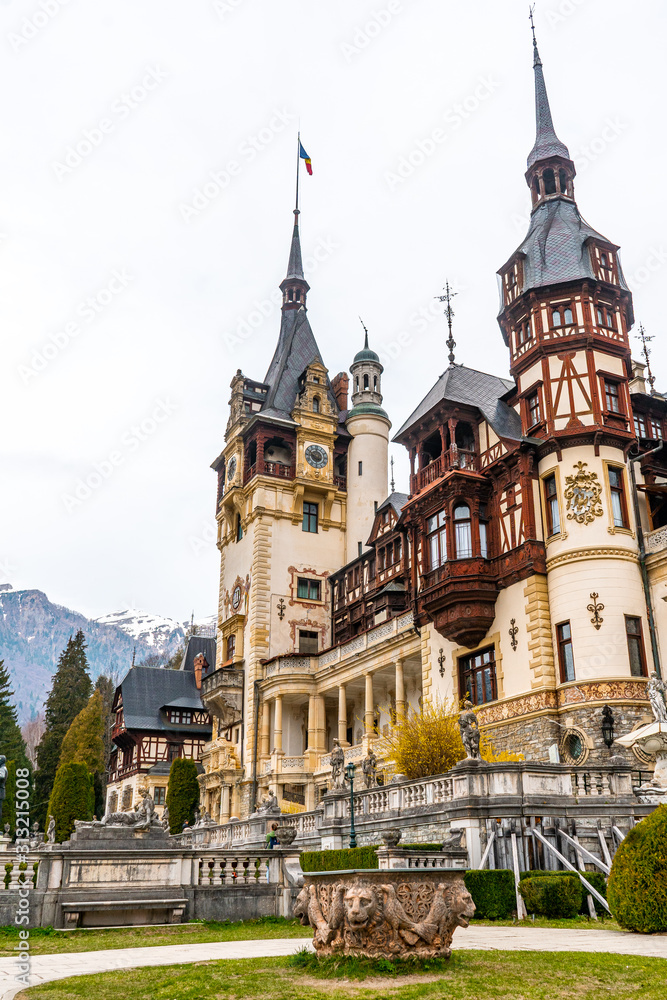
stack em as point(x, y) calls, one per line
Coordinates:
point(36, 837)
point(165, 818)
point(401, 917)
point(469, 731)
point(657, 693)
point(3, 781)
point(369, 767)
point(142, 817)
point(337, 765)
point(8, 827)
point(269, 806)
point(51, 831)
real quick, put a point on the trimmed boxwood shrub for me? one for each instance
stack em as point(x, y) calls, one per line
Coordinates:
point(638, 879)
point(336, 861)
point(552, 895)
point(492, 891)
point(596, 879)
point(72, 798)
point(182, 793)
point(421, 847)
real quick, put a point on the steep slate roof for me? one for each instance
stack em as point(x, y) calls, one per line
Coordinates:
point(296, 349)
point(555, 246)
point(146, 690)
point(295, 264)
point(471, 388)
point(194, 645)
point(547, 142)
point(395, 500)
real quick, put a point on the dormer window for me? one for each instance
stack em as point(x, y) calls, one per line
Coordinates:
point(316, 404)
point(604, 259)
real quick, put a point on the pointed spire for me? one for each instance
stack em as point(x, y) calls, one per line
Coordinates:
point(547, 142)
point(449, 313)
point(295, 265)
point(365, 334)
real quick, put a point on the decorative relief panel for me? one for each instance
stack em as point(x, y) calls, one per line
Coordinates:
point(582, 493)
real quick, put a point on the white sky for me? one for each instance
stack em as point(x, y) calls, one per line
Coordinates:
point(223, 73)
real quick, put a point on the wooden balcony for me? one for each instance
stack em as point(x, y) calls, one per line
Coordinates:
point(459, 597)
point(275, 469)
point(453, 458)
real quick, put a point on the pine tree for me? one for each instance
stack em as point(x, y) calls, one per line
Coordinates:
point(72, 798)
point(9, 804)
point(69, 693)
point(182, 793)
point(12, 745)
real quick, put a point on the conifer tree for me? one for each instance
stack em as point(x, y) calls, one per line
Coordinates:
point(72, 798)
point(69, 693)
point(12, 744)
point(84, 744)
point(182, 793)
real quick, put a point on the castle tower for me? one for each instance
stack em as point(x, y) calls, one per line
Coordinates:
point(566, 313)
point(368, 452)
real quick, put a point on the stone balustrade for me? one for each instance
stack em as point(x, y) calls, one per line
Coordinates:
point(656, 541)
point(366, 640)
point(237, 869)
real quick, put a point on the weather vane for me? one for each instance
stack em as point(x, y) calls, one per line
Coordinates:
point(646, 351)
point(393, 485)
point(531, 10)
point(449, 313)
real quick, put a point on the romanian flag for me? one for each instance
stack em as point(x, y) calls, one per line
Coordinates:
point(304, 156)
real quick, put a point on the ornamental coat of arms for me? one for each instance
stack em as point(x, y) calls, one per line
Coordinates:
point(582, 492)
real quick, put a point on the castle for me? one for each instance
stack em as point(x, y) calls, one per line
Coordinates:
point(525, 568)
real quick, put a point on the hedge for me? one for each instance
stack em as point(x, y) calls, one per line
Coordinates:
point(422, 847)
point(492, 891)
point(72, 798)
point(638, 879)
point(182, 793)
point(552, 895)
point(336, 861)
point(596, 879)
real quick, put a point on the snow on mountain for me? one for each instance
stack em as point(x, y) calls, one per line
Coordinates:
point(163, 634)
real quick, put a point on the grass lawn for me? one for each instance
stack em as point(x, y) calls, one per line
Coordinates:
point(46, 941)
point(469, 975)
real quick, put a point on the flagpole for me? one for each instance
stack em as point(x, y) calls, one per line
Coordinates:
point(298, 158)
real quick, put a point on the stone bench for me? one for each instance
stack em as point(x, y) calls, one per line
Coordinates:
point(122, 912)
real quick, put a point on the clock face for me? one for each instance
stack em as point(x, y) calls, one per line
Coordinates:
point(231, 469)
point(236, 597)
point(316, 456)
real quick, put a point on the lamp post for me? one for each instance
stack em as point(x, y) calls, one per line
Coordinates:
point(607, 726)
point(349, 776)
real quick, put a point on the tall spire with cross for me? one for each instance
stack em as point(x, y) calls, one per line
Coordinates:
point(449, 313)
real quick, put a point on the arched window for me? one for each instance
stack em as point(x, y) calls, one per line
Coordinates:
point(365, 381)
point(357, 383)
point(463, 534)
point(436, 540)
point(375, 383)
point(316, 404)
point(536, 190)
point(231, 647)
point(290, 296)
point(562, 180)
point(549, 181)
point(483, 533)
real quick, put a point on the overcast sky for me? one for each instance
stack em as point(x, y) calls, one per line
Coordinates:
point(147, 185)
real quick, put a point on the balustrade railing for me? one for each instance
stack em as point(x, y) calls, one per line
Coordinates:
point(275, 469)
point(233, 869)
point(656, 540)
point(453, 458)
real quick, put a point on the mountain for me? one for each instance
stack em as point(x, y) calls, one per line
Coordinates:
point(34, 631)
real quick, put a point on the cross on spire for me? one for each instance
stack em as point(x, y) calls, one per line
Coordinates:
point(646, 351)
point(392, 483)
point(365, 333)
point(449, 313)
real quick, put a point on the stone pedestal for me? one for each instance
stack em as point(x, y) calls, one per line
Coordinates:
point(4, 844)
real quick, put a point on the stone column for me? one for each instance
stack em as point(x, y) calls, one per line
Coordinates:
point(264, 747)
point(312, 721)
point(321, 734)
point(278, 725)
point(400, 690)
point(225, 803)
point(368, 708)
point(342, 715)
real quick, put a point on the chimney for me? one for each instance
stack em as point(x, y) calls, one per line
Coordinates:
point(339, 386)
point(200, 665)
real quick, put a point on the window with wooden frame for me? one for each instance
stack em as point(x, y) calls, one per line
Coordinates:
point(231, 646)
point(562, 315)
point(477, 676)
point(523, 333)
point(656, 429)
point(612, 395)
point(534, 409)
point(436, 540)
point(239, 528)
point(551, 505)
point(565, 651)
point(635, 637)
point(308, 643)
point(483, 531)
point(606, 316)
point(463, 531)
point(640, 425)
point(308, 590)
point(159, 795)
point(619, 507)
point(309, 523)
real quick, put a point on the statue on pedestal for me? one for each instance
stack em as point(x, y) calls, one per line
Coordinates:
point(657, 693)
point(469, 732)
point(269, 806)
point(51, 831)
point(337, 765)
point(369, 767)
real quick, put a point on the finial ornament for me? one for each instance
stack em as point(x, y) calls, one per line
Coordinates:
point(531, 11)
point(646, 351)
point(449, 313)
point(392, 483)
point(365, 333)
